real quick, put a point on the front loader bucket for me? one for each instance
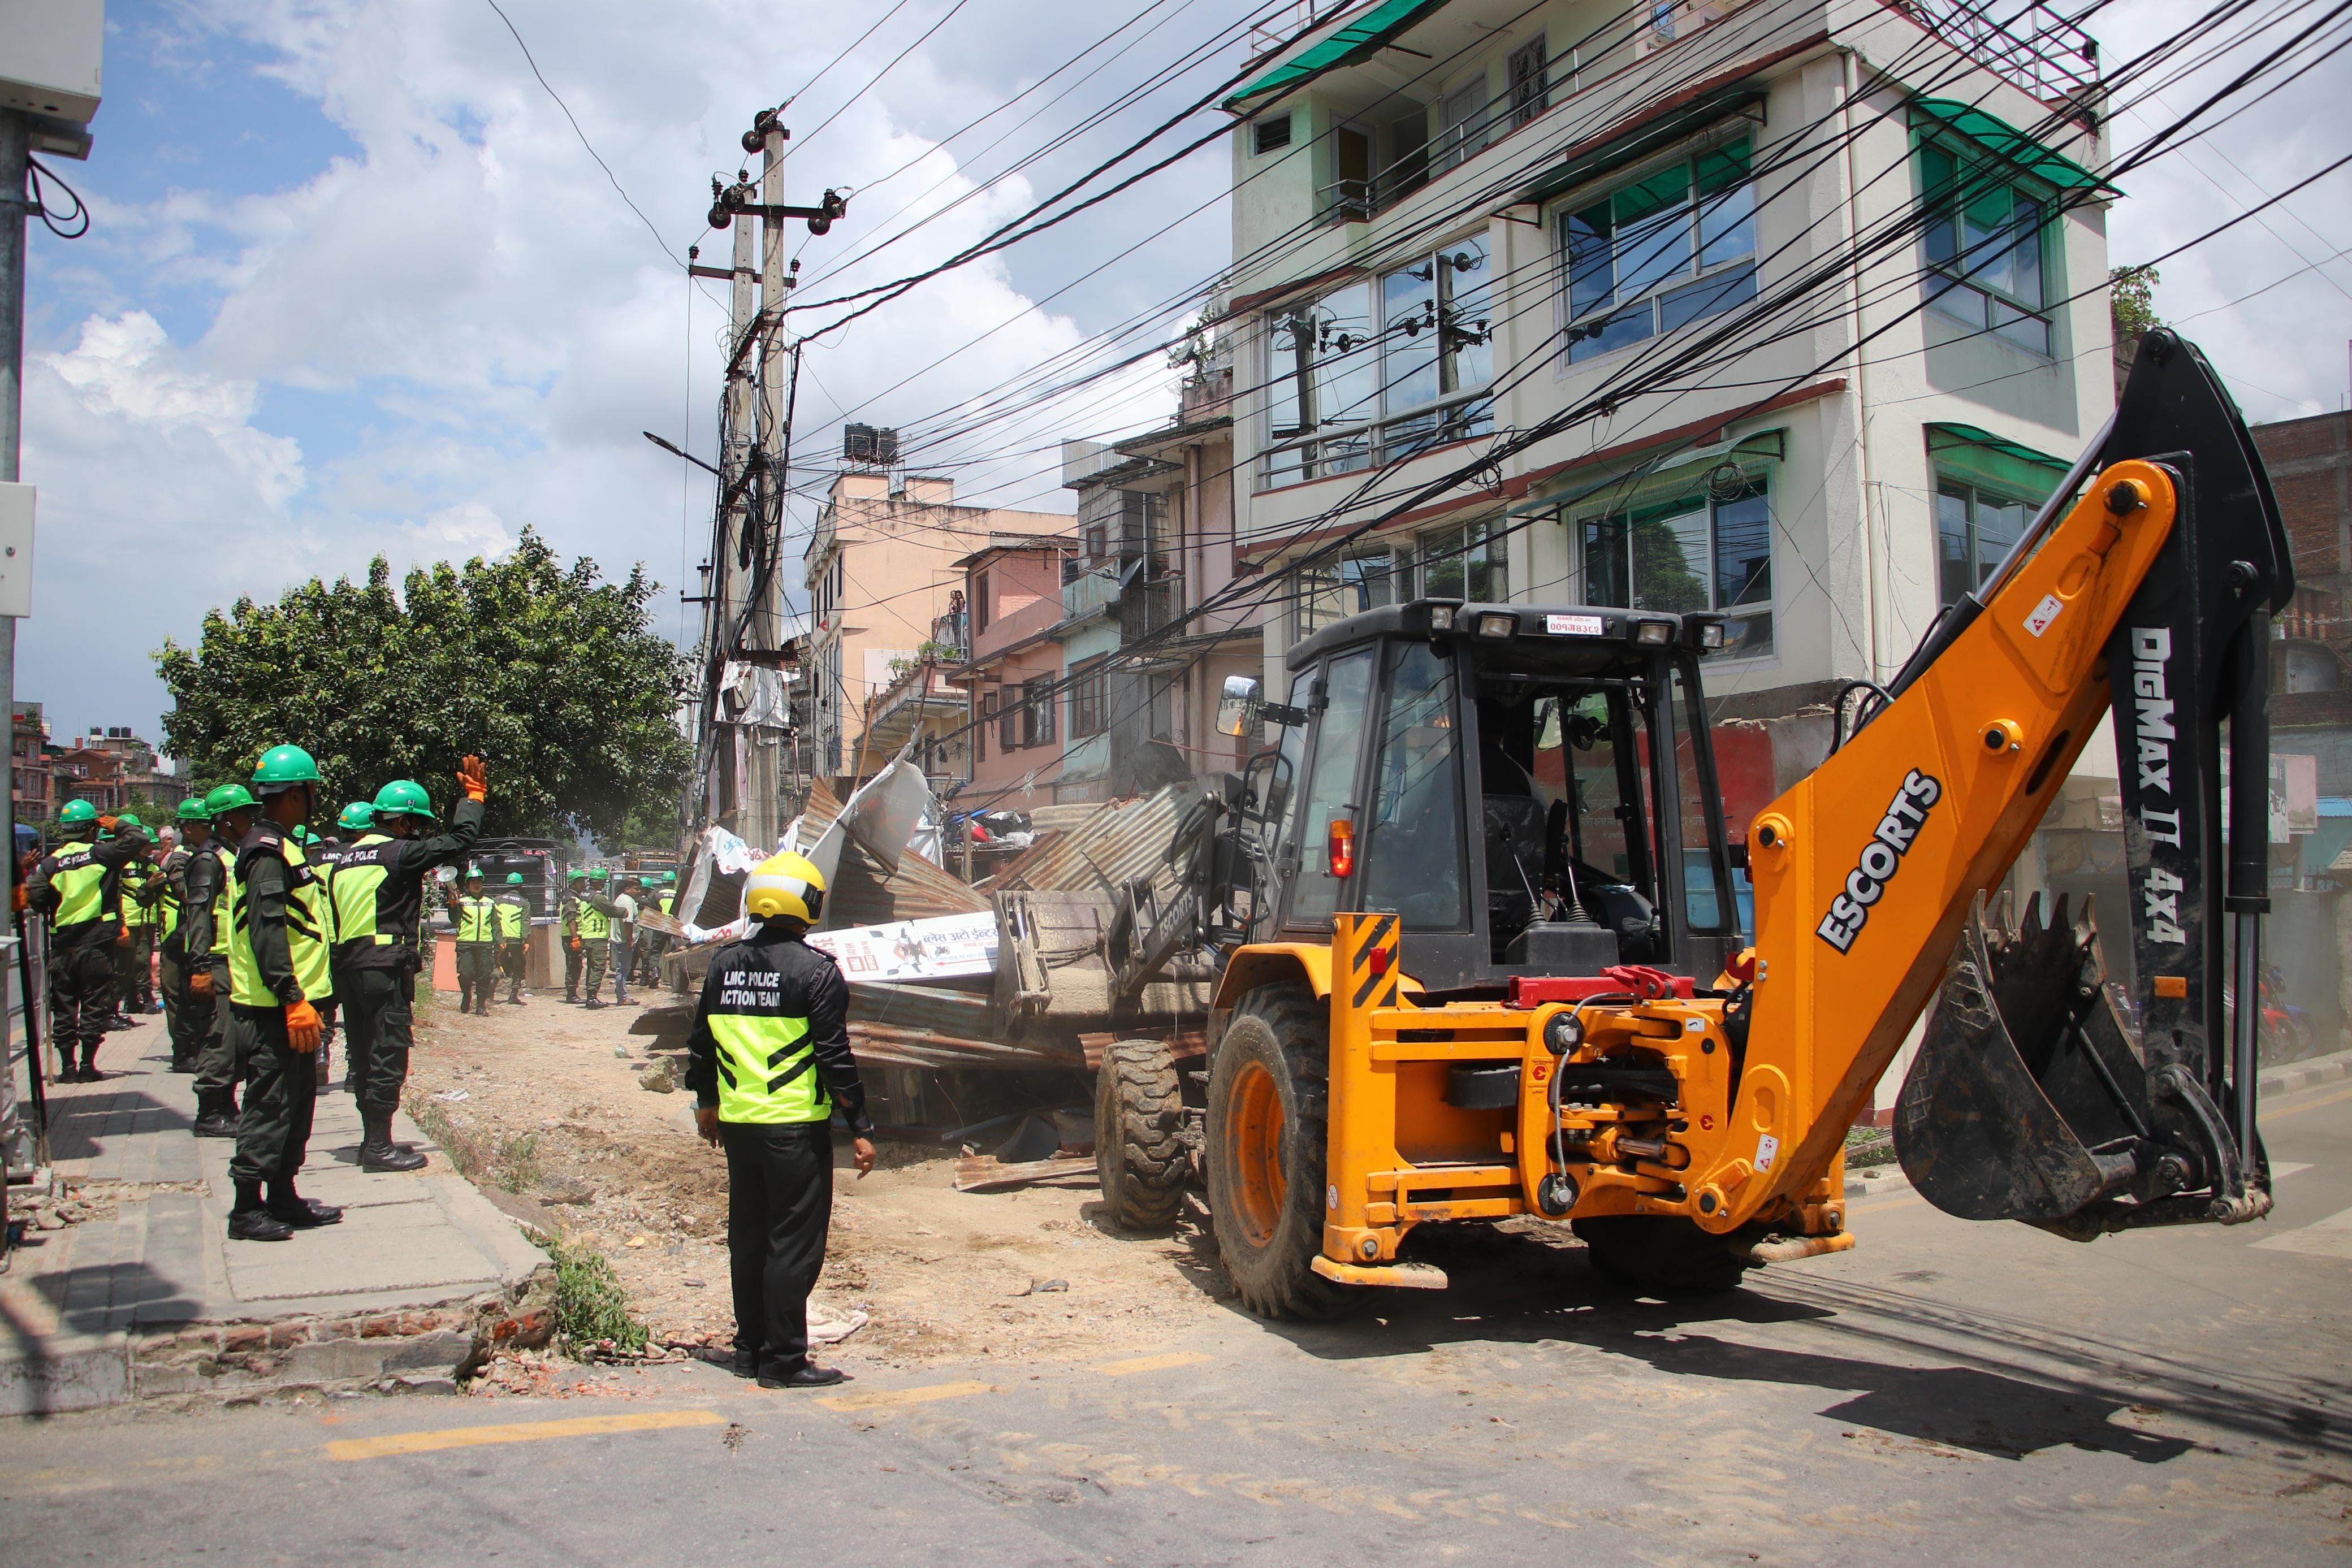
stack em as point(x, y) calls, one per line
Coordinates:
point(2026, 1100)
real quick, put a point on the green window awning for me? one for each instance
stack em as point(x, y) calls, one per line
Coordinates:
point(1981, 457)
point(1997, 136)
point(1349, 44)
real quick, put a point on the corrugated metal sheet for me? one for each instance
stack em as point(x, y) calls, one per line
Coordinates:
point(1126, 839)
point(922, 1006)
point(863, 893)
point(880, 1043)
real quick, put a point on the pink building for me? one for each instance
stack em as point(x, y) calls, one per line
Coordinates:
point(1013, 587)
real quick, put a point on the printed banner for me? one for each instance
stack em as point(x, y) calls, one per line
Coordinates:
point(942, 948)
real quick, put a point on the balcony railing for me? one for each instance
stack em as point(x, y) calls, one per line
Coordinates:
point(1088, 593)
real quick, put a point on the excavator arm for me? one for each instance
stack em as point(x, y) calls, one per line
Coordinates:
point(2143, 591)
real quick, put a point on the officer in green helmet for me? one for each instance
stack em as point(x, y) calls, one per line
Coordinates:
point(595, 922)
point(134, 952)
point(205, 937)
point(353, 823)
point(78, 887)
point(379, 905)
point(478, 945)
point(186, 1017)
point(278, 956)
point(575, 883)
point(514, 935)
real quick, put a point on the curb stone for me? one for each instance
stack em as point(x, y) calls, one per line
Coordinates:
point(2305, 1074)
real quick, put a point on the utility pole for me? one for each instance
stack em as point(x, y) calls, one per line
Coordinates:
point(743, 613)
point(50, 57)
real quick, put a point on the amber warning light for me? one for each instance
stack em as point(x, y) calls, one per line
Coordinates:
point(1340, 840)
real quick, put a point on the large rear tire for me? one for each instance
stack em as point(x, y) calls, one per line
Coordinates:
point(1267, 1136)
point(1661, 1253)
point(1140, 1156)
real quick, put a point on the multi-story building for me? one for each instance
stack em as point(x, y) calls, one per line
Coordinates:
point(924, 702)
point(1147, 632)
point(1013, 680)
point(2310, 464)
point(880, 569)
point(145, 781)
point(28, 765)
point(1650, 238)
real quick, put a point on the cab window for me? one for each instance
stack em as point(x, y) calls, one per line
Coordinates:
point(1413, 860)
point(1345, 706)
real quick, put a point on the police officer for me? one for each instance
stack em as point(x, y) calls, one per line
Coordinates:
point(574, 955)
point(185, 1015)
point(205, 909)
point(477, 945)
point(134, 954)
point(593, 920)
point(623, 939)
point(277, 960)
point(514, 936)
point(768, 1061)
point(379, 905)
point(79, 886)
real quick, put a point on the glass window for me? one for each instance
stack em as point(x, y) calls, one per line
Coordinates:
point(1464, 124)
point(1090, 692)
point(1669, 249)
point(1706, 868)
point(1696, 553)
point(1365, 581)
point(1471, 563)
point(1975, 530)
point(1530, 93)
point(1982, 240)
point(1369, 374)
point(1411, 860)
point(1330, 785)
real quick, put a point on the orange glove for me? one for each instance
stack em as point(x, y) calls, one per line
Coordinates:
point(303, 1030)
point(122, 936)
point(472, 779)
point(107, 822)
point(17, 900)
point(200, 983)
point(575, 944)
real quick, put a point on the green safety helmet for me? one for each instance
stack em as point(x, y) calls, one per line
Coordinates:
point(670, 876)
point(77, 813)
point(301, 834)
point(403, 797)
point(473, 874)
point(514, 879)
point(230, 798)
point(575, 875)
point(358, 815)
point(283, 767)
point(597, 873)
point(194, 810)
point(125, 820)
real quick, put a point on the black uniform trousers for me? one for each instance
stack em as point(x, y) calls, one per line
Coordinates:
point(573, 960)
point(81, 998)
point(135, 987)
point(216, 1068)
point(477, 972)
point(378, 1030)
point(281, 1092)
point(514, 957)
point(779, 1208)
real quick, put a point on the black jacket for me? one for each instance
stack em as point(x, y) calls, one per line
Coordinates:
point(811, 988)
point(400, 898)
point(113, 853)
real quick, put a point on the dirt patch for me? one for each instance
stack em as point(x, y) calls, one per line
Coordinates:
point(543, 1103)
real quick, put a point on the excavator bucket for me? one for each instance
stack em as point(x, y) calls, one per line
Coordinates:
point(2026, 1098)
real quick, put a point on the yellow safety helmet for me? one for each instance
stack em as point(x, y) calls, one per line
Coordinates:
point(785, 884)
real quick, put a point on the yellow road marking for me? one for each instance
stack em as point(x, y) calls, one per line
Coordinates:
point(521, 1432)
point(879, 1397)
point(1881, 1205)
point(2269, 1116)
point(1150, 1363)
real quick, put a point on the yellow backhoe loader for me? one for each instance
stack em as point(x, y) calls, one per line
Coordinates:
point(1478, 950)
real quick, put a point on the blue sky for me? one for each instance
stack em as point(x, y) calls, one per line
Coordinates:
point(353, 285)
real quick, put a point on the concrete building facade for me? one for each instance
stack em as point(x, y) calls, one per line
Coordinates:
point(880, 572)
point(1460, 218)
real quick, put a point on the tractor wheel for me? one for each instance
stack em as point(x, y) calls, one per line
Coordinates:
point(1266, 1140)
point(1139, 1153)
point(1662, 1253)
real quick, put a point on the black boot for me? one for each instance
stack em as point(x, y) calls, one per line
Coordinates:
point(90, 1072)
point(378, 1152)
point(250, 1220)
point(217, 1113)
point(291, 1209)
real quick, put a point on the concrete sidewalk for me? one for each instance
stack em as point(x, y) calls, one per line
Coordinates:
point(156, 1302)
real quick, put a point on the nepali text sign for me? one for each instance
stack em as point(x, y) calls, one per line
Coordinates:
point(944, 948)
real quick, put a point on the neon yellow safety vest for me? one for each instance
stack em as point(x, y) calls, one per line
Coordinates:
point(134, 914)
point(167, 908)
point(767, 1071)
point(594, 925)
point(514, 921)
point(87, 891)
point(666, 900)
point(307, 929)
point(477, 919)
point(223, 901)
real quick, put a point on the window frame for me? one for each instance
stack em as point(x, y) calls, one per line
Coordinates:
point(1527, 103)
point(1586, 327)
point(1455, 413)
point(1037, 705)
point(1089, 694)
point(1978, 169)
point(1976, 493)
point(1263, 144)
point(1760, 486)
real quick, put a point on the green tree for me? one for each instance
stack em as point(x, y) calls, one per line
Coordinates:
point(555, 678)
point(2131, 301)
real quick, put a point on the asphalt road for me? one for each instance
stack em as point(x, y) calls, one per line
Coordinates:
point(1945, 1392)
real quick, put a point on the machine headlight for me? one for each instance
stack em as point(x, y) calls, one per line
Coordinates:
point(1441, 618)
point(1495, 625)
point(1652, 633)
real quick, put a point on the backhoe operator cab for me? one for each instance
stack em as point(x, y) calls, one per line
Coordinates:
point(1490, 774)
